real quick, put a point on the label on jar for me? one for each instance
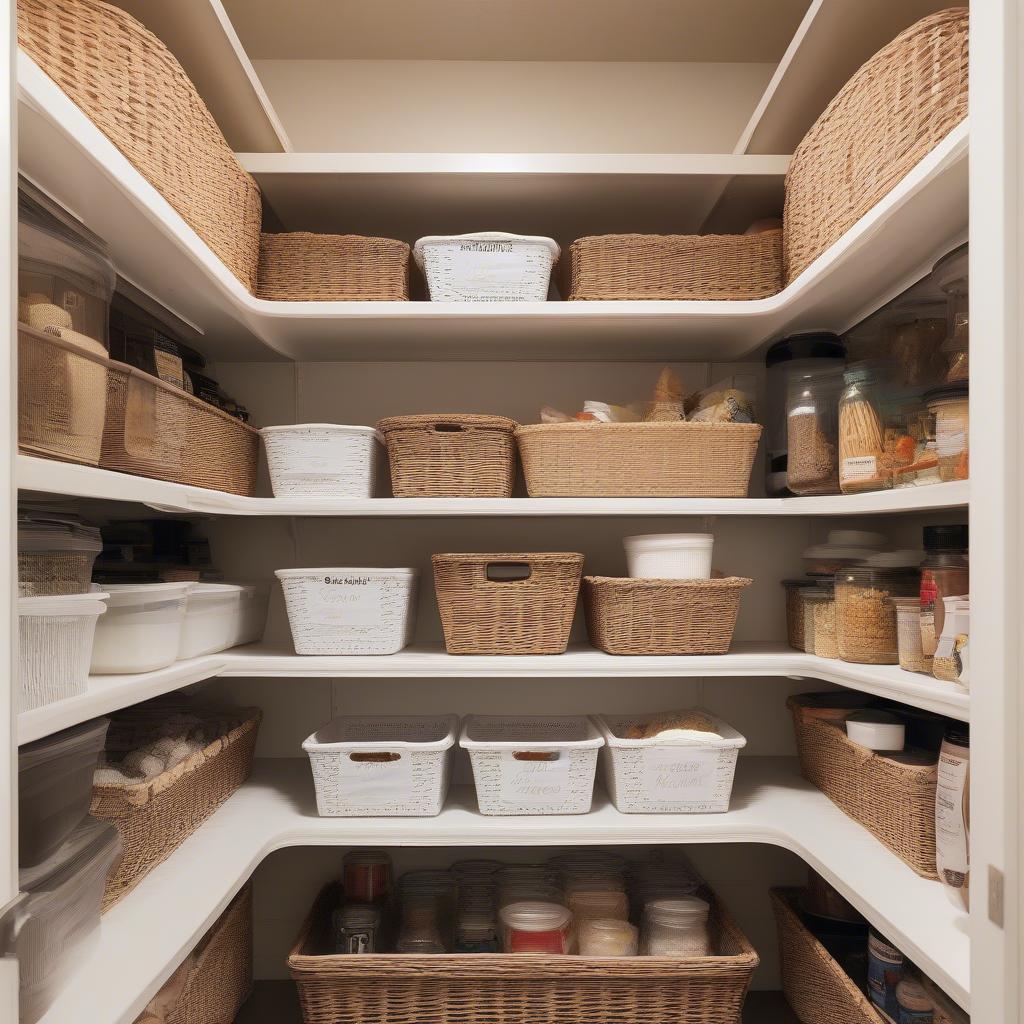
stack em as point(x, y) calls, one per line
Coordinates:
point(858, 467)
point(885, 972)
point(951, 832)
point(694, 776)
point(534, 780)
point(347, 601)
point(169, 368)
point(950, 435)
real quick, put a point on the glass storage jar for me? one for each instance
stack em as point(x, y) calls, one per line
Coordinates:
point(951, 275)
point(951, 408)
point(915, 336)
point(812, 423)
point(908, 633)
point(820, 605)
point(357, 929)
point(537, 927)
point(421, 928)
point(861, 433)
point(945, 572)
point(676, 928)
point(865, 616)
point(795, 611)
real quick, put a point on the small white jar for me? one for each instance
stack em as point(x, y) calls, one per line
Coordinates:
point(669, 556)
point(876, 730)
point(676, 927)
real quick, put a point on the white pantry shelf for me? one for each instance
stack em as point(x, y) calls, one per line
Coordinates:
point(176, 903)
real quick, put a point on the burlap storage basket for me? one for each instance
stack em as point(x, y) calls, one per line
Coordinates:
point(62, 398)
point(156, 816)
point(894, 802)
point(648, 460)
point(128, 83)
point(889, 115)
point(817, 989)
point(154, 429)
point(216, 977)
point(482, 613)
point(515, 988)
point(450, 456)
point(676, 266)
point(627, 616)
point(298, 266)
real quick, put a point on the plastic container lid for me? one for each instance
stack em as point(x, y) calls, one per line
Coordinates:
point(203, 591)
point(91, 839)
point(686, 910)
point(952, 537)
point(535, 916)
point(359, 570)
point(127, 595)
point(526, 732)
point(93, 603)
point(39, 536)
point(484, 236)
point(88, 734)
point(807, 345)
point(385, 733)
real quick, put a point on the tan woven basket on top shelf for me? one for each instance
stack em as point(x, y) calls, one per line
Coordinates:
point(518, 988)
point(454, 455)
point(889, 115)
point(895, 802)
point(511, 603)
point(628, 616)
point(302, 267)
point(677, 266)
point(651, 460)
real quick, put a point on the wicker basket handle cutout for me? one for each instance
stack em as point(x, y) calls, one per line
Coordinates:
point(536, 755)
point(374, 757)
point(444, 427)
point(508, 572)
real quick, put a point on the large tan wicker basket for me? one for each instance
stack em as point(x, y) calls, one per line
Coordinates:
point(157, 430)
point(817, 989)
point(628, 616)
point(450, 456)
point(887, 117)
point(652, 460)
point(299, 266)
point(133, 89)
point(511, 603)
point(895, 802)
point(156, 816)
point(517, 988)
point(216, 977)
point(677, 266)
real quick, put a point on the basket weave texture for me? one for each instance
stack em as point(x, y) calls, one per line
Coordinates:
point(817, 989)
point(627, 616)
point(650, 460)
point(450, 456)
point(894, 802)
point(299, 266)
point(514, 988)
point(154, 429)
point(511, 616)
point(43, 573)
point(889, 115)
point(156, 816)
point(676, 266)
point(134, 90)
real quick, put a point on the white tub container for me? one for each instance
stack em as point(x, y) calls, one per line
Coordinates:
point(669, 556)
point(322, 460)
point(212, 617)
point(252, 615)
point(55, 644)
point(55, 558)
point(532, 764)
point(141, 631)
point(487, 266)
point(350, 610)
point(372, 766)
point(681, 772)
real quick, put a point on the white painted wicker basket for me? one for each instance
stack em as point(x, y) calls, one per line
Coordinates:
point(369, 766)
point(532, 764)
point(322, 460)
point(487, 266)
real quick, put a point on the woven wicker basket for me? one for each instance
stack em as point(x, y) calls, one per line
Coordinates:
point(627, 616)
point(483, 611)
point(450, 456)
point(887, 117)
point(651, 460)
point(156, 816)
point(129, 84)
point(62, 398)
point(677, 266)
point(154, 429)
point(817, 989)
point(895, 802)
point(299, 266)
point(515, 988)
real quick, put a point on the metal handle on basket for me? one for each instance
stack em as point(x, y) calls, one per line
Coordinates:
point(536, 755)
point(374, 757)
point(508, 572)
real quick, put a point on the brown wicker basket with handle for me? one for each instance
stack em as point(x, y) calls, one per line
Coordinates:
point(515, 988)
point(510, 603)
point(650, 460)
point(628, 616)
point(817, 989)
point(895, 802)
point(130, 85)
point(299, 266)
point(889, 115)
point(677, 266)
point(457, 455)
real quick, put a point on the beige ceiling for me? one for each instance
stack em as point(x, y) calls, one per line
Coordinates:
point(597, 30)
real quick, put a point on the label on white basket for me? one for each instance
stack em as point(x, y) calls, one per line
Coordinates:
point(348, 601)
point(489, 270)
point(859, 467)
point(684, 774)
point(533, 783)
point(375, 781)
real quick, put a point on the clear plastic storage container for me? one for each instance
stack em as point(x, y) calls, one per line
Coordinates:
point(865, 616)
point(862, 433)
point(951, 407)
point(812, 426)
point(677, 928)
point(141, 631)
point(55, 558)
point(213, 619)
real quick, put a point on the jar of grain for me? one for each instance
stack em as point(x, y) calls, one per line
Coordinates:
point(951, 408)
point(795, 611)
point(908, 633)
point(866, 630)
point(812, 422)
point(822, 602)
point(861, 433)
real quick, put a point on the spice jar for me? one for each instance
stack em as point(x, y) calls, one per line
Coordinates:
point(865, 617)
point(795, 611)
point(820, 619)
point(608, 937)
point(951, 408)
point(951, 275)
point(861, 433)
point(812, 421)
point(945, 572)
point(357, 928)
point(536, 927)
point(952, 659)
point(908, 633)
point(676, 928)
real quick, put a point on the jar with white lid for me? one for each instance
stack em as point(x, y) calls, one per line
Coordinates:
point(537, 927)
point(608, 937)
point(676, 927)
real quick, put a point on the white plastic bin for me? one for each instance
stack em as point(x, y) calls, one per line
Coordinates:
point(350, 610)
point(371, 766)
point(55, 788)
point(212, 622)
point(252, 616)
point(681, 772)
point(55, 558)
point(487, 266)
point(322, 460)
point(532, 764)
point(141, 631)
point(55, 644)
point(670, 556)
